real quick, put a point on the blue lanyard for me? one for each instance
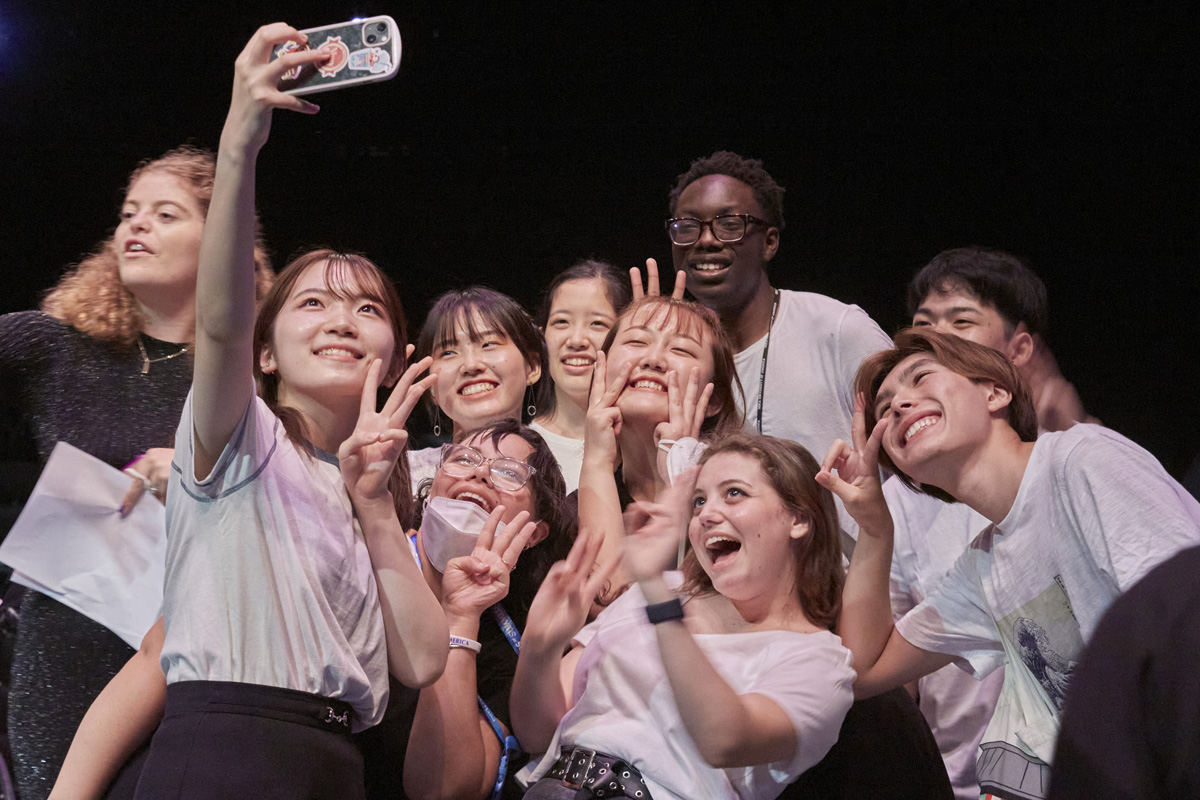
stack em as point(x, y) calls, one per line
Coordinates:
point(510, 748)
point(508, 627)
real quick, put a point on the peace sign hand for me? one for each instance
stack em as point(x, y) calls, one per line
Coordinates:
point(652, 290)
point(368, 457)
point(474, 583)
point(857, 479)
point(561, 606)
point(686, 411)
point(603, 423)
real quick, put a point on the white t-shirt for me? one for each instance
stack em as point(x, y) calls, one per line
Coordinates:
point(930, 536)
point(624, 705)
point(567, 451)
point(817, 345)
point(268, 579)
point(1093, 514)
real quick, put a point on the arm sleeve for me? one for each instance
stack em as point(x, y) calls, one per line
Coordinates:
point(248, 450)
point(813, 684)
point(955, 620)
point(1132, 514)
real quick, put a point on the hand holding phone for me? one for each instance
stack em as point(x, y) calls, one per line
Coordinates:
point(360, 51)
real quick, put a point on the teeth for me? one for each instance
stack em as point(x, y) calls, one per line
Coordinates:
point(707, 266)
point(654, 385)
point(476, 498)
point(337, 351)
point(577, 362)
point(476, 388)
point(923, 422)
point(135, 247)
point(710, 541)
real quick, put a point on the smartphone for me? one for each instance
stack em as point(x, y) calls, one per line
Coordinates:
point(361, 51)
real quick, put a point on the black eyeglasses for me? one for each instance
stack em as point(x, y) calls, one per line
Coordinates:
point(726, 228)
point(508, 474)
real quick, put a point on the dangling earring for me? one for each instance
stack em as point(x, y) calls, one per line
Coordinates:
point(530, 409)
point(437, 421)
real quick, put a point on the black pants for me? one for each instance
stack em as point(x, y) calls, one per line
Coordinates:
point(240, 740)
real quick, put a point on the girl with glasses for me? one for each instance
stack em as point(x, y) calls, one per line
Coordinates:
point(494, 521)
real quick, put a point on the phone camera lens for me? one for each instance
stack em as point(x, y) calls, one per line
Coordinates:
point(371, 38)
point(381, 27)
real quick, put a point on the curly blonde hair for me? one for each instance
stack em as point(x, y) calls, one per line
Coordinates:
point(91, 298)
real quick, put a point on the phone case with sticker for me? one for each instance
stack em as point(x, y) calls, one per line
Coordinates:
point(361, 51)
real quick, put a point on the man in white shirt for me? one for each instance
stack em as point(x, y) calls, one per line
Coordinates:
point(1076, 517)
point(992, 298)
point(796, 352)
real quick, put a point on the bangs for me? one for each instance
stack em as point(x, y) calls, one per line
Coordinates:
point(669, 315)
point(470, 318)
point(348, 276)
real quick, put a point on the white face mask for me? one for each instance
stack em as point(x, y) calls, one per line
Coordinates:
point(449, 529)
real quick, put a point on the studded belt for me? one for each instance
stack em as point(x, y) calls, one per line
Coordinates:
point(597, 775)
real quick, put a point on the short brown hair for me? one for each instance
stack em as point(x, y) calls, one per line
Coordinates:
point(691, 318)
point(90, 296)
point(791, 471)
point(975, 362)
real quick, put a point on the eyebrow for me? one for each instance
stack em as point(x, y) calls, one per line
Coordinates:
point(903, 377)
point(951, 310)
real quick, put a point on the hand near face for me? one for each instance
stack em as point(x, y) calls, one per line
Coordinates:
point(369, 456)
point(474, 583)
point(686, 408)
point(655, 530)
point(561, 606)
point(256, 81)
point(652, 290)
point(857, 480)
point(603, 423)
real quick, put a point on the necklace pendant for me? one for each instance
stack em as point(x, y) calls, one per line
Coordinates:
point(145, 365)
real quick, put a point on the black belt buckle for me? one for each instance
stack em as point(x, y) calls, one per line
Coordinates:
point(573, 770)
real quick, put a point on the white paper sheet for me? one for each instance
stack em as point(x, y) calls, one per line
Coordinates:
point(71, 544)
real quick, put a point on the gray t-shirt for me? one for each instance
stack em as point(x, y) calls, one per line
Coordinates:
point(268, 577)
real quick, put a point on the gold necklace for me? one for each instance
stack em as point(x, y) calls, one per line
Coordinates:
point(147, 360)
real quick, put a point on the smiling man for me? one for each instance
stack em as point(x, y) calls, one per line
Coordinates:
point(796, 352)
point(1076, 517)
point(992, 298)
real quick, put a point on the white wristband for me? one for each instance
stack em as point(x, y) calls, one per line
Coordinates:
point(465, 643)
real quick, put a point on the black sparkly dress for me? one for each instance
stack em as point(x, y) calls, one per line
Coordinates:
point(92, 394)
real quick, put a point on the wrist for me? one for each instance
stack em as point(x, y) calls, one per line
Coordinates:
point(462, 624)
point(654, 589)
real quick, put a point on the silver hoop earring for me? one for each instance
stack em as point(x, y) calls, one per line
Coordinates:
point(530, 409)
point(437, 421)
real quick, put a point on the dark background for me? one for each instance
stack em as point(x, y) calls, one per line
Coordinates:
point(520, 137)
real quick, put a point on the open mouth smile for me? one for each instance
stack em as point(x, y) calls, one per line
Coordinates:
point(721, 549)
point(472, 497)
